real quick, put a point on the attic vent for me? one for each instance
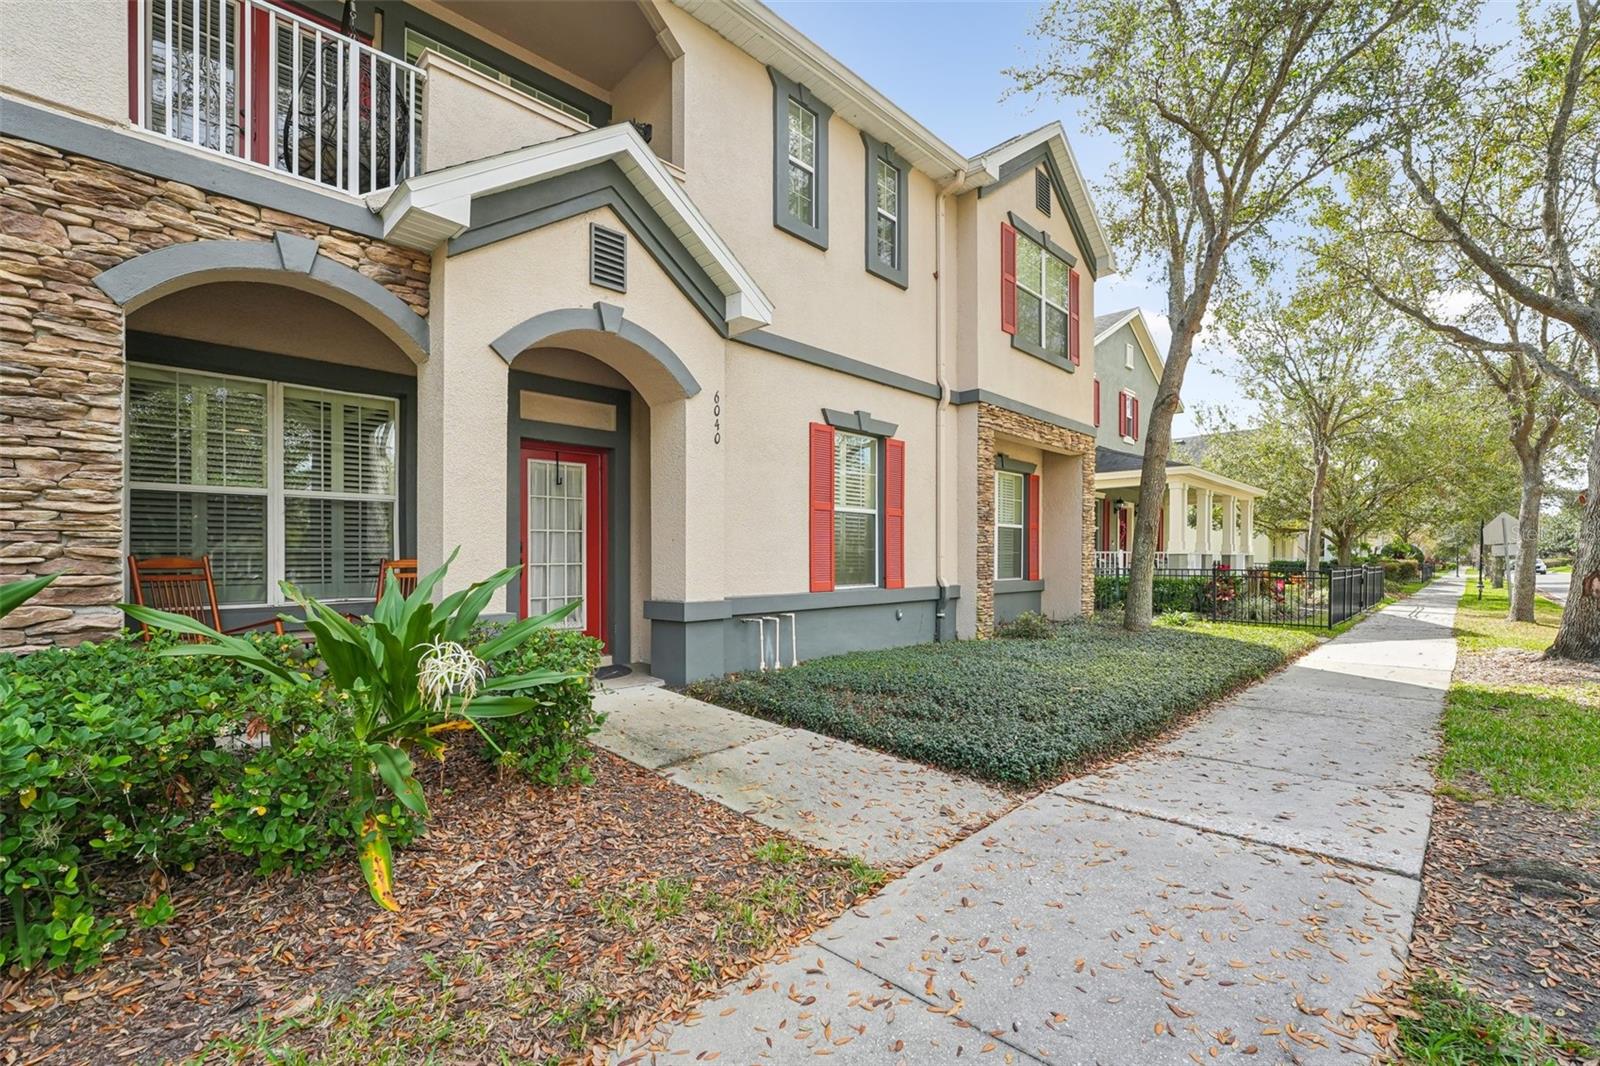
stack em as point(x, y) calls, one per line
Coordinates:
point(1041, 191)
point(608, 258)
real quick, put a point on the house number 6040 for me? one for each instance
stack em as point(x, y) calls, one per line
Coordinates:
point(716, 417)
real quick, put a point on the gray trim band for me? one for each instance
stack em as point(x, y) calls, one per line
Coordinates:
point(1004, 462)
point(876, 150)
point(1007, 586)
point(126, 149)
point(736, 606)
point(507, 214)
point(966, 396)
point(604, 317)
point(286, 254)
point(784, 90)
point(807, 353)
point(858, 422)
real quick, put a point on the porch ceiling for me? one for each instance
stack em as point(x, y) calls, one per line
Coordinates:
point(1191, 476)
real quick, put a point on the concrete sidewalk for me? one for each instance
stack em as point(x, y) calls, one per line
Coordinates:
point(1230, 895)
point(831, 793)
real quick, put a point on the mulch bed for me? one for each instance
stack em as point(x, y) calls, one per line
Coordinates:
point(537, 924)
point(1511, 906)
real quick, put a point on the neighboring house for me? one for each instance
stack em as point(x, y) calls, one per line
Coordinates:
point(1206, 518)
point(1285, 544)
point(656, 302)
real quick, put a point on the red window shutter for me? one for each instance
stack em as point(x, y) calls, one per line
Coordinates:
point(894, 513)
point(821, 507)
point(1161, 530)
point(1122, 414)
point(1133, 417)
point(1097, 403)
point(1033, 527)
point(1008, 278)
point(1074, 334)
point(135, 60)
point(1105, 524)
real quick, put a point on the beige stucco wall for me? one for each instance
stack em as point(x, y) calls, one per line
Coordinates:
point(471, 116)
point(990, 362)
point(769, 403)
point(71, 53)
point(482, 293)
point(825, 298)
point(645, 95)
point(255, 318)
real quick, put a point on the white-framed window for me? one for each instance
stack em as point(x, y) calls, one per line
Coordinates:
point(855, 510)
point(273, 481)
point(886, 200)
point(1041, 297)
point(802, 163)
point(1009, 525)
point(417, 43)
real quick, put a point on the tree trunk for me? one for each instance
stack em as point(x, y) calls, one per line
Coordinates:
point(1522, 580)
point(1319, 488)
point(1579, 635)
point(1139, 601)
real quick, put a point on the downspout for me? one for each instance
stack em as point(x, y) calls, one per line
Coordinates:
point(942, 609)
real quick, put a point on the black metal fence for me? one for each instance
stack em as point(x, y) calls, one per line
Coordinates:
point(1255, 595)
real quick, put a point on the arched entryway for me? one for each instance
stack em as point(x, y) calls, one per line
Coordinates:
point(592, 399)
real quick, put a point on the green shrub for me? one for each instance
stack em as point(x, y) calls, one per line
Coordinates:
point(547, 742)
point(1029, 625)
point(1401, 570)
point(1287, 566)
point(110, 756)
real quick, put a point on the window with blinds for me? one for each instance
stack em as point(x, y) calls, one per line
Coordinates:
point(1008, 525)
point(272, 481)
point(855, 509)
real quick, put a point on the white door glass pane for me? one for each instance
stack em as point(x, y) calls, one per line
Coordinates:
point(855, 549)
point(556, 528)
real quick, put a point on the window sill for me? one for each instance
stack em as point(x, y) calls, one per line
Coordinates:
point(1060, 362)
point(1017, 584)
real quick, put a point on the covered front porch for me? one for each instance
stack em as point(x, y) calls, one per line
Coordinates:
point(1206, 519)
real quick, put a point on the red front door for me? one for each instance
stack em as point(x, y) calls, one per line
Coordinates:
point(563, 533)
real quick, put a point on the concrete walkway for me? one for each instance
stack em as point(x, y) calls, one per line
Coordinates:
point(1230, 895)
point(831, 793)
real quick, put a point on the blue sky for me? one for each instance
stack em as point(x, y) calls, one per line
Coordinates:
point(955, 88)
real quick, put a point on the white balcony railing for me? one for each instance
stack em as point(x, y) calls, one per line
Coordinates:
point(250, 80)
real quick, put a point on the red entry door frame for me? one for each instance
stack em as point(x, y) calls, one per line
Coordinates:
point(596, 463)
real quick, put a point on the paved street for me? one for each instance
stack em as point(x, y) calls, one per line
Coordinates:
point(1231, 894)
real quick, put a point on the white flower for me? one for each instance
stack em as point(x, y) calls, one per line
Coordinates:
point(448, 669)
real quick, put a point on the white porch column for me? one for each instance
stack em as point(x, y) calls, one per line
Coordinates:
point(1204, 502)
point(1230, 525)
point(1177, 519)
point(1250, 528)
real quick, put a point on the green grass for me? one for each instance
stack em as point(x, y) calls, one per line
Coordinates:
point(1013, 710)
point(1454, 1027)
point(1536, 742)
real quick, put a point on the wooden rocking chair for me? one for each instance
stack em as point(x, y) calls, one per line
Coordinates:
point(184, 586)
point(401, 571)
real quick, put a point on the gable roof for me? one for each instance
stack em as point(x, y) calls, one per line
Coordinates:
point(1107, 324)
point(767, 38)
point(428, 209)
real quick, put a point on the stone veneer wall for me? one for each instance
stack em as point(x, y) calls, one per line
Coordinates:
point(994, 421)
point(63, 220)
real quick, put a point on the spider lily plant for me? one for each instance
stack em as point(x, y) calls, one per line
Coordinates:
point(408, 676)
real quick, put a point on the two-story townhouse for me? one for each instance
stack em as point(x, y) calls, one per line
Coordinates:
point(656, 302)
point(1207, 518)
